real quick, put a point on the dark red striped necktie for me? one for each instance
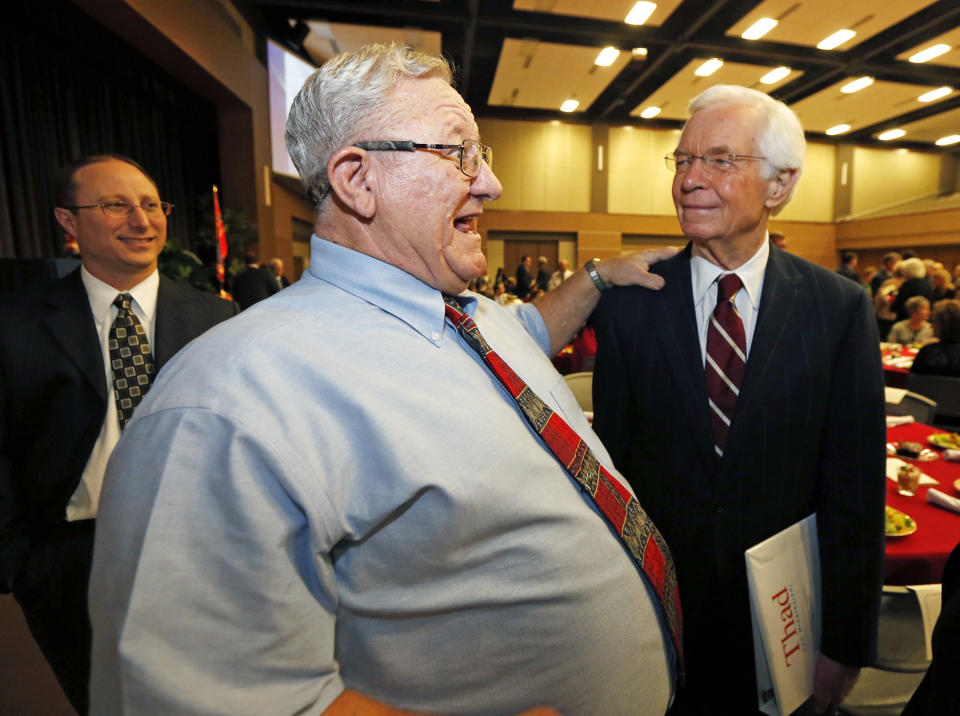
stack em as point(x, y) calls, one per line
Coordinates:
point(726, 359)
point(635, 528)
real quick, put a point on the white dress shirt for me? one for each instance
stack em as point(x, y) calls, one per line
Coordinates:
point(86, 499)
point(704, 275)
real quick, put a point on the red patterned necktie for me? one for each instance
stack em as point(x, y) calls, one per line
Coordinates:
point(636, 530)
point(726, 359)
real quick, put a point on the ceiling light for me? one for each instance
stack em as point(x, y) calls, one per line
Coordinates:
point(935, 94)
point(760, 28)
point(607, 56)
point(930, 53)
point(857, 85)
point(650, 112)
point(640, 12)
point(946, 141)
point(709, 67)
point(638, 52)
point(891, 134)
point(774, 76)
point(569, 105)
point(839, 129)
point(835, 40)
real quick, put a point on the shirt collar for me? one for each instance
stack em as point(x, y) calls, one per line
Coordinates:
point(102, 295)
point(386, 286)
point(705, 273)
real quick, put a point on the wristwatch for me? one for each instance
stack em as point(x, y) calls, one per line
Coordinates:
point(591, 268)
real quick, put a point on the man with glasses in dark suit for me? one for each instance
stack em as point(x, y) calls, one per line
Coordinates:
point(76, 356)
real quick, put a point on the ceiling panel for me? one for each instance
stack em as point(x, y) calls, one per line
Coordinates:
point(950, 59)
point(860, 109)
point(612, 10)
point(527, 75)
point(933, 128)
point(807, 23)
point(675, 95)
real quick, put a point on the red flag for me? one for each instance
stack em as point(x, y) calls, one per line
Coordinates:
point(221, 233)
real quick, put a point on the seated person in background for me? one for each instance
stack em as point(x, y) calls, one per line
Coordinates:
point(942, 285)
point(914, 284)
point(883, 299)
point(917, 328)
point(942, 357)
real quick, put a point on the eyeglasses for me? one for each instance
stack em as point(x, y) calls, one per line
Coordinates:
point(471, 152)
point(715, 162)
point(125, 208)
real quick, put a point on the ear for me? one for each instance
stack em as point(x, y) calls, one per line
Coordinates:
point(67, 220)
point(353, 179)
point(780, 187)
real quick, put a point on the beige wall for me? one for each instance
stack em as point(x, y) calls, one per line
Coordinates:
point(884, 178)
point(638, 181)
point(542, 166)
point(813, 198)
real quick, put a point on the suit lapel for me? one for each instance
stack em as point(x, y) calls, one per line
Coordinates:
point(780, 304)
point(68, 320)
point(174, 322)
point(676, 327)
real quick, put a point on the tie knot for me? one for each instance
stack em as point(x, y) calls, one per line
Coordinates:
point(123, 301)
point(727, 287)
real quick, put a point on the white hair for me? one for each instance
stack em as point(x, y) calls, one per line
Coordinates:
point(912, 268)
point(347, 96)
point(780, 135)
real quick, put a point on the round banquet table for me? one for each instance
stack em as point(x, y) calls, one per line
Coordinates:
point(896, 361)
point(919, 558)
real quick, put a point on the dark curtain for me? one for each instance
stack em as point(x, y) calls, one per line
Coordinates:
point(69, 87)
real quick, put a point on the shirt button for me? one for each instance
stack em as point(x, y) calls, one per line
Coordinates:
point(436, 337)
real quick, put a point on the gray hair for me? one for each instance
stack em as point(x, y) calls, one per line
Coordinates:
point(780, 138)
point(912, 268)
point(347, 96)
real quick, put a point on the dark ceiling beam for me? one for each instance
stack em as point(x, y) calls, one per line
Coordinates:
point(906, 118)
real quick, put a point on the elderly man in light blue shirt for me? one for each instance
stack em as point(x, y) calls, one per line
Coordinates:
point(331, 505)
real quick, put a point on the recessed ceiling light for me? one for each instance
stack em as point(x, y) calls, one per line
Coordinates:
point(650, 112)
point(835, 40)
point(946, 141)
point(774, 76)
point(935, 94)
point(709, 67)
point(569, 105)
point(554, 122)
point(891, 134)
point(640, 13)
point(930, 53)
point(760, 28)
point(638, 52)
point(857, 85)
point(839, 129)
point(607, 56)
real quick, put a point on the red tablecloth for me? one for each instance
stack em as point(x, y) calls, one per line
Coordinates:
point(919, 558)
point(895, 376)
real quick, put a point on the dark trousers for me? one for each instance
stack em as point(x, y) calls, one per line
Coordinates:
point(51, 589)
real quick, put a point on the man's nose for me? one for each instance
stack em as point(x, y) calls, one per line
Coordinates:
point(485, 184)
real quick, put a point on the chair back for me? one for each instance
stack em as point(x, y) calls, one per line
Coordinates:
point(581, 385)
point(919, 406)
point(943, 389)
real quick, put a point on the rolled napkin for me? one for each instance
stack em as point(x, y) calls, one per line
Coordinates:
point(893, 466)
point(940, 499)
point(895, 420)
point(951, 454)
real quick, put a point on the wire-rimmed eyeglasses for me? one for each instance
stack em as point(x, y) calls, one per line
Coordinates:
point(471, 152)
point(715, 162)
point(125, 208)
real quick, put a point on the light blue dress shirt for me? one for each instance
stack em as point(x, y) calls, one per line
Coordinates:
point(331, 491)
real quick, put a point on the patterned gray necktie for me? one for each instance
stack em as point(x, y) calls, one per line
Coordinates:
point(130, 359)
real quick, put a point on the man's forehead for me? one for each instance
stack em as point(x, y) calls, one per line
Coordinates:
point(726, 128)
point(112, 175)
point(436, 103)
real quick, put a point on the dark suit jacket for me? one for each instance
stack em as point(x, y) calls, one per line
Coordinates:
point(808, 436)
point(254, 284)
point(53, 396)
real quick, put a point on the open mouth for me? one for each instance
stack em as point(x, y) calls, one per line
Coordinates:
point(136, 240)
point(466, 224)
